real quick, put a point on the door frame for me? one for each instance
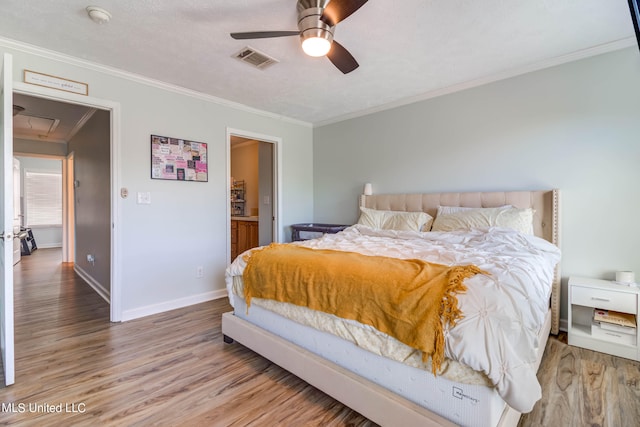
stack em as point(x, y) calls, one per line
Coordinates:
point(7, 341)
point(68, 210)
point(115, 138)
point(277, 180)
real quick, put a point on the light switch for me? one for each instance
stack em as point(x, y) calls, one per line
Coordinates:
point(144, 198)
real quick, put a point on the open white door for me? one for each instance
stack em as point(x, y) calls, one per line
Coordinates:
point(6, 218)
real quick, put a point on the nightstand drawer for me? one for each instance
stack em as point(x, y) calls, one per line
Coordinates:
point(603, 298)
point(612, 336)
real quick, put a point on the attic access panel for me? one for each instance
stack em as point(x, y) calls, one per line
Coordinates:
point(35, 126)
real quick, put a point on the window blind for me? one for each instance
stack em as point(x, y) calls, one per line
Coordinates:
point(43, 198)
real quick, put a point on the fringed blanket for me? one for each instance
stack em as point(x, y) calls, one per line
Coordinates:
point(409, 299)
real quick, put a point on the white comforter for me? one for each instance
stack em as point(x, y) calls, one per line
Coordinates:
point(503, 311)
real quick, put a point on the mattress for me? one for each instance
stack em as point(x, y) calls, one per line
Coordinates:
point(504, 310)
point(469, 405)
point(365, 337)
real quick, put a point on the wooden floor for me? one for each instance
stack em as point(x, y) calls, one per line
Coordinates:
point(74, 367)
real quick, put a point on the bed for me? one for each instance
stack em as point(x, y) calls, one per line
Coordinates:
point(384, 384)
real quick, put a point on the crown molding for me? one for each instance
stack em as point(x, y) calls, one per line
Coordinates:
point(514, 72)
point(116, 72)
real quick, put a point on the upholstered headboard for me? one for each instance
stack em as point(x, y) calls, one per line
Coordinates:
point(546, 221)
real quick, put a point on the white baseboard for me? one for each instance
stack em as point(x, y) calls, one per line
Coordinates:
point(48, 245)
point(563, 325)
point(172, 305)
point(101, 290)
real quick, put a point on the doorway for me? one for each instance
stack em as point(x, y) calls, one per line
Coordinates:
point(85, 178)
point(253, 190)
point(38, 202)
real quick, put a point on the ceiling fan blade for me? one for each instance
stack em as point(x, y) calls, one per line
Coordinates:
point(263, 34)
point(341, 58)
point(339, 10)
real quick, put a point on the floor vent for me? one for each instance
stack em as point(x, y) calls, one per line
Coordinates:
point(255, 58)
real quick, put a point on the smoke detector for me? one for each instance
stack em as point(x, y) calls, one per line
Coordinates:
point(98, 14)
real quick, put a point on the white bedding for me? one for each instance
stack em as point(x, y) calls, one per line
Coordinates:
point(503, 311)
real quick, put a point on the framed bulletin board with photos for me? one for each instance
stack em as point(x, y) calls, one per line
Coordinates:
point(178, 159)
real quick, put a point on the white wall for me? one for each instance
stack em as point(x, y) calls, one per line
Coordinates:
point(45, 237)
point(185, 226)
point(575, 127)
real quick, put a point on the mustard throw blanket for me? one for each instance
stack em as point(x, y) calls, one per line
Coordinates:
point(407, 299)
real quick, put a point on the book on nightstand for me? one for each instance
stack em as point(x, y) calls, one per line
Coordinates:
point(615, 320)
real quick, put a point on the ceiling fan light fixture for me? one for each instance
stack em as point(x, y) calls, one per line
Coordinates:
point(316, 46)
point(315, 34)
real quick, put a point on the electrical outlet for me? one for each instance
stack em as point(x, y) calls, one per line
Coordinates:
point(199, 272)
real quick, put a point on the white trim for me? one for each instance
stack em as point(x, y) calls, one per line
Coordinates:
point(149, 310)
point(277, 144)
point(68, 210)
point(116, 140)
point(536, 66)
point(49, 245)
point(67, 59)
point(65, 210)
point(7, 324)
point(42, 92)
point(97, 286)
point(39, 155)
point(116, 214)
point(564, 325)
point(81, 123)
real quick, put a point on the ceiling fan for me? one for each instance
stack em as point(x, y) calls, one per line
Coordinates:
point(317, 20)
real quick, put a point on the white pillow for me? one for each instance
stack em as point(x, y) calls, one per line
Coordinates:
point(447, 210)
point(518, 219)
point(395, 220)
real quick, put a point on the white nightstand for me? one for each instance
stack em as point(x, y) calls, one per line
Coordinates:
point(587, 294)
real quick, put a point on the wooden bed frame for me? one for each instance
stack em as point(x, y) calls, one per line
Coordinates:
point(371, 400)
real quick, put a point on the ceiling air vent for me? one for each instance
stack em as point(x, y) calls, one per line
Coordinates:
point(255, 58)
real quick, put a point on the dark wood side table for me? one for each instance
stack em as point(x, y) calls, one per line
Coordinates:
point(312, 230)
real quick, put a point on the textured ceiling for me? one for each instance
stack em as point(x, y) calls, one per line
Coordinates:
point(407, 49)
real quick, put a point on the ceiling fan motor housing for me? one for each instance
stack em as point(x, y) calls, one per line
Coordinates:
point(310, 23)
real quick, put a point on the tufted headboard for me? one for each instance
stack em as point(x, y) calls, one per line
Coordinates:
point(546, 221)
